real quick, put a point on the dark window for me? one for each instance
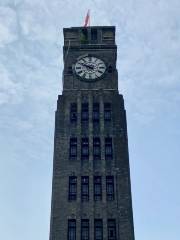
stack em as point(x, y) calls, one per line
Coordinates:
point(107, 111)
point(95, 112)
point(108, 148)
point(69, 70)
point(72, 188)
point(73, 148)
point(94, 34)
point(111, 229)
point(73, 112)
point(84, 36)
point(98, 229)
point(84, 229)
point(110, 69)
point(84, 112)
point(97, 188)
point(71, 229)
point(96, 148)
point(84, 189)
point(110, 188)
point(85, 148)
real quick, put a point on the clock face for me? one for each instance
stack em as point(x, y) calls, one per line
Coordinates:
point(90, 68)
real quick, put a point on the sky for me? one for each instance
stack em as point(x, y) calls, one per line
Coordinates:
point(31, 64)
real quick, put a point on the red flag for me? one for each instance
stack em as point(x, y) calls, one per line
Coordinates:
point(87, 19)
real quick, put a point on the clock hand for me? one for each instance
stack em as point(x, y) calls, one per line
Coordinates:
point(88, 66)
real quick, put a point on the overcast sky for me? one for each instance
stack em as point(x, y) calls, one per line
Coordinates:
point(148, 39)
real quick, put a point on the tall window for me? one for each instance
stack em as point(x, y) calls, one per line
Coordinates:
point(72, 188)
point(84, 148)
point(110, 188)
point(107, 112)
point(84, 36)
point(84, 112)
point(94, 34)
point(84, 229)
point(84, 188)
point(98, 229)
point(110, 69)
point(96, 148)
point(111, 229)
point(69, 70)
point(108, 148)
point(96, 112)
point(73, 112)
point(97, 188)
point(71, 229)
point(73, 148)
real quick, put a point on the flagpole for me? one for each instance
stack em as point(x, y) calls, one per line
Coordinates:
point(89, 17)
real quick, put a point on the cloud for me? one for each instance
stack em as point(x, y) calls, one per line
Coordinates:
point(8, 88)
point(8, 26)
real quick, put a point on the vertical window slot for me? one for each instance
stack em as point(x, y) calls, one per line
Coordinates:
point(108, 148)
point(96, 148)
point(84, 112)
point(73, 112)
point(110, 188)
point(111, 229)
point(71, 229)
point(84, 229)
point(95, 112)
point(97, 188)
point(73, 148)
point(107, 112)
point(85, 148)
point(72, 188)
point(98, 229)
point(84, 189)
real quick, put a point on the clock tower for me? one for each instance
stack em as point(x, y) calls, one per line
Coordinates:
point(91, 190)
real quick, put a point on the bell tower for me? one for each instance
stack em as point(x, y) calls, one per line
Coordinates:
point(92, 42)
point(91, 189)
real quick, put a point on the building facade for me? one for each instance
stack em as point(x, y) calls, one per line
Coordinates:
point(91, 190)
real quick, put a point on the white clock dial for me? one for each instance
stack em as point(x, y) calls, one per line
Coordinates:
point(90, 68)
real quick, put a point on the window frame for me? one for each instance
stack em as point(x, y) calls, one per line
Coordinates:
point(96, 148)
point(108, 148)
point(71, 227)
point(98, 226)
point(84, 36)
point(72, 195)
point(110, 185)
point(84, 112)
point(85, 227)
point(84, 195)
point(73, 148)
point(107, 111)
point(111, 226)
point(73, 112)
point(96, 112)
point(97, 188)
point(94, 40)
point(84, 148)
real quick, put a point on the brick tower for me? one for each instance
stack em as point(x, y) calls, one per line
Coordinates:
point(91, 190)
